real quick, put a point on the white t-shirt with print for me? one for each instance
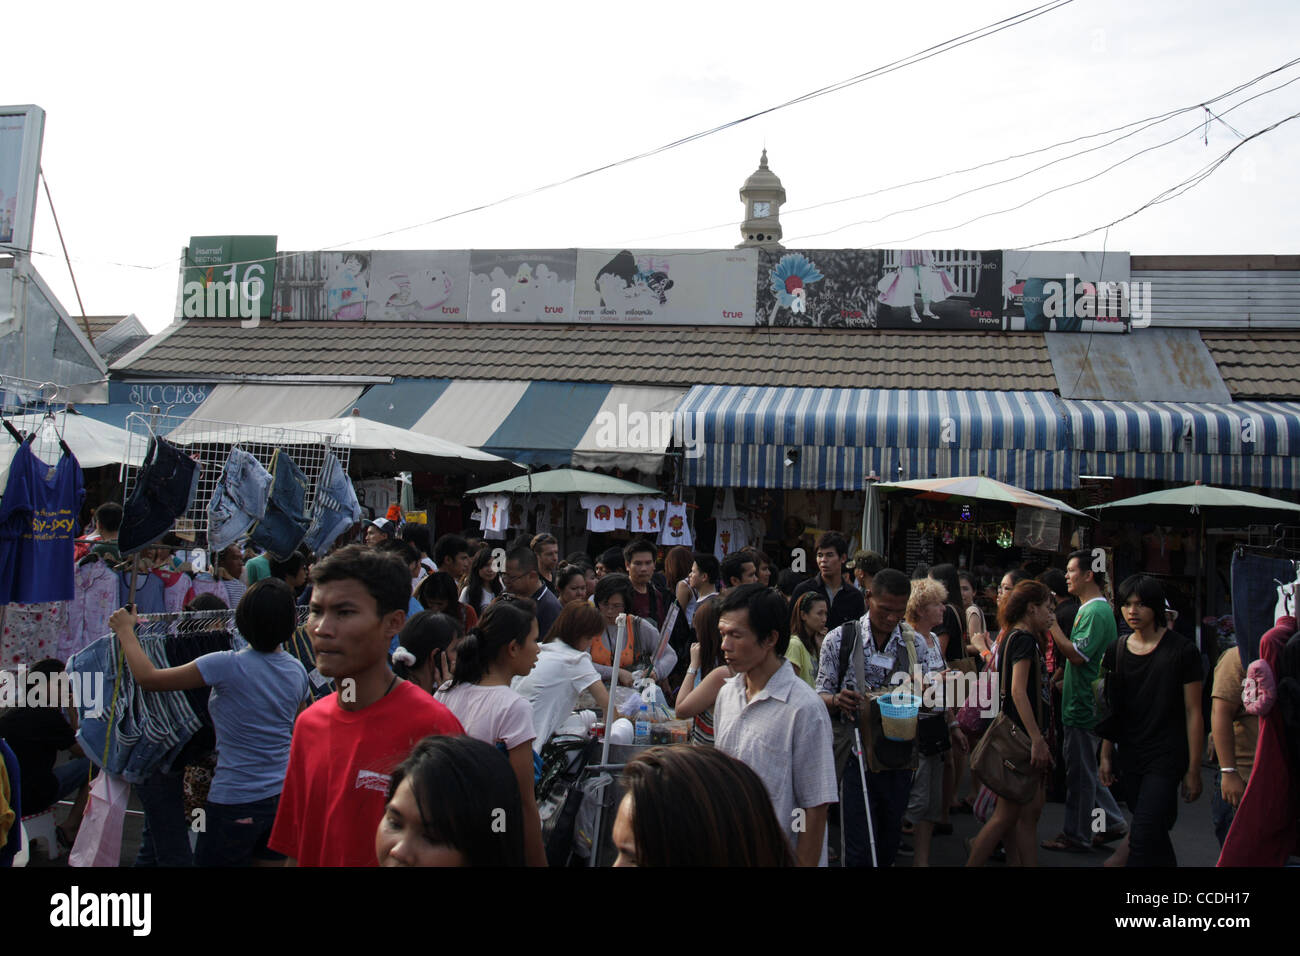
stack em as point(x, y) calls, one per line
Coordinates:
point(643, 515)
point(676, 527)
point(603, 512)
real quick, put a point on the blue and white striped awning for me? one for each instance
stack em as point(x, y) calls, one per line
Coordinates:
point(1245, 444)
point(738, 436)
point(560, 424)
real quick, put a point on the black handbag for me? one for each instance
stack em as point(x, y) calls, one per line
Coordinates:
point(1109, 694)
point(932, 735)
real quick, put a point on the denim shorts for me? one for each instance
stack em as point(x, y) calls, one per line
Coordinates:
point(235, 834)
point(164, 488)
point(284, 526)
point(238, 501)
point(336, 507)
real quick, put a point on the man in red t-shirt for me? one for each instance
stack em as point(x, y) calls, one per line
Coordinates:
point(346, 745)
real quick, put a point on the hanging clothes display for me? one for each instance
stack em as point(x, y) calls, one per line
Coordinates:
point(38, 525)
point(164, 490)
point(95, 600)
point(335, 507)
point(676, 528)
point(732, 536)
point(239, 499)
point(644, 515)
point(285, 523)
point(604, 512)
point(493, 513)
point(30, 633)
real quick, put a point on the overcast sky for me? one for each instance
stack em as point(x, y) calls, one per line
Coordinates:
point(326, 124)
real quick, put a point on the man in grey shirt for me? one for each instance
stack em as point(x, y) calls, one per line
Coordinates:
point(772, 720)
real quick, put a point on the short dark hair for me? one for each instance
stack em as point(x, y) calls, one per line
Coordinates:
point(788, 580)
point(611, 584)
point(891, 582)
point(708, 565)
point(946, 574)
point(439, 586)
point(288, 567)
point(1084, 557)
point(872, 562)
point(767, 611)
point(207, 602)
point(448, 546)
point(462, 787)
point(381, 573)
point(833, 539)
point(639, 546)
point(108, 516)
point(1054, 578)
point(266, 615)
point(580, 559)
point(524, 557)
point(403, 549)
point(417, 534)
point(1149, 590)
point(733, 566)
point(612, 559)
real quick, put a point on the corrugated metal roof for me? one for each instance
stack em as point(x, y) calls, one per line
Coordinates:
point(1146, 365)
point(1257, 364)
point(1223, 298)
point(647, 355)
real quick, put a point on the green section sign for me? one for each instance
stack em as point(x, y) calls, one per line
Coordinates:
point(228, 277)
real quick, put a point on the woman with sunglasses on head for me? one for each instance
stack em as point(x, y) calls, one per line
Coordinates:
point(1155, 696)
point(501, 647)
point(807, 629)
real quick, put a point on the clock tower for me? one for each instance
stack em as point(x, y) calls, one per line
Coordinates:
point(762, 195)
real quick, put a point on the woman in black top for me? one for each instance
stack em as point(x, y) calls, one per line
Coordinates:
point(1025, 613)
point(1155, 698)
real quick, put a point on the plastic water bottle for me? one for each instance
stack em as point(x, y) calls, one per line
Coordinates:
point(642, 724)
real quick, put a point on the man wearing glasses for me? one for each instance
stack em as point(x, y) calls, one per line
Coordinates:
point(522, 579)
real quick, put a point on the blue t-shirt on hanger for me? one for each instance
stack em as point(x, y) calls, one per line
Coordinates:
point(38, 522)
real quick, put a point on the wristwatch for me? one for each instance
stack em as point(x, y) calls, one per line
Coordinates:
point(1227, 770)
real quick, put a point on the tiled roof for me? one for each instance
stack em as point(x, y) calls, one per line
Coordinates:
point(1257, 364)
point(644, 355)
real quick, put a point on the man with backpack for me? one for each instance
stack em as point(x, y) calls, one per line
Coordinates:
point(877, 646)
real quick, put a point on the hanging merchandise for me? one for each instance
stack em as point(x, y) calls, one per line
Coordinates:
point(644, 515)
point(335, 507)
point(732, 536)
point(38, 525)
point(724, 504)
point(239, 500)
point(676, 527)
point(31, 633)
point(604, 512)
point(284, 525)
point(1005, 538)
point(493, 514)
point(164, 489)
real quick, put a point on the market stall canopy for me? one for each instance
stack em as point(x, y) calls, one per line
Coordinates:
point(95, 443)
point(565, 481)
point(978, 488)
point(1219, 507)
point(378, 448)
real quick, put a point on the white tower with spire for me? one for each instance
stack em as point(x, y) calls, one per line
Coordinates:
point(762, 195)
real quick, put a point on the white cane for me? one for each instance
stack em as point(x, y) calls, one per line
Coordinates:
point(860, 681)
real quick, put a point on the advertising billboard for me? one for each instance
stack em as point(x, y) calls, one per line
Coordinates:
point(666, 287)
point(21, 131)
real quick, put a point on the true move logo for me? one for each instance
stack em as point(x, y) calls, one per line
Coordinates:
point(1107, 301)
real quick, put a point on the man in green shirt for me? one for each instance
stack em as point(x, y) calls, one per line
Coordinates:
point(1092, 634)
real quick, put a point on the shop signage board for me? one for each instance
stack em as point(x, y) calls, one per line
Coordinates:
point(21, 131)
point(226, 277)
point(666, 287)
point(919, 289)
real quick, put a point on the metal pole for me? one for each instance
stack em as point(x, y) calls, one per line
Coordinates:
point(620, 623)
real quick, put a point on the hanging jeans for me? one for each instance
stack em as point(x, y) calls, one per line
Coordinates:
point(335, 509)
point(1254, 597)
point(284, 526)
point(238, 501)
point(888, 792)
point(165, 840)
point(163, 490)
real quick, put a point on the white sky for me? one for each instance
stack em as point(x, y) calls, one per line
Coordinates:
point(327, 122)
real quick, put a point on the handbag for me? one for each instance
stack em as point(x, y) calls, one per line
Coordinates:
point(1108, 691)
point(1002, 757)
point(99, 841)
point(932, 735)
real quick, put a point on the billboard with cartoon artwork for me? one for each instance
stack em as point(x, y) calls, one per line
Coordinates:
point(683, 287)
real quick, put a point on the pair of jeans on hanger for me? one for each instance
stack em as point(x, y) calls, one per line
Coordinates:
point(164, 488)
point(284, 525)
point(239, 500)
point(335, 509)
point(1255, 580)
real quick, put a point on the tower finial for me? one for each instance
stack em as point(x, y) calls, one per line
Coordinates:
point(762, 163)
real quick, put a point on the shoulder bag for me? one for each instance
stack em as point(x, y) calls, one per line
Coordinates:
point(1002, 757)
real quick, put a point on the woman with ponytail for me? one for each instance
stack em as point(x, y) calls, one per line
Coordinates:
point(426, 649)
point(501, 647)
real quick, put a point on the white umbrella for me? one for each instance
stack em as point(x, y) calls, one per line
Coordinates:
point(93, 442)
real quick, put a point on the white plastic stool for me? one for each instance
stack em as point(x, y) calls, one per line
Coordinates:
point(39, 826)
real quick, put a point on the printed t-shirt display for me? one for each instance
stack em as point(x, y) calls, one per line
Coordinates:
point(643, 514)
point(38, 522)
point(676, 528)
point(494, 512)
point(340, 762)
point(604, 512)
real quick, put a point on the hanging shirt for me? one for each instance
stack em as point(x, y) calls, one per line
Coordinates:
point(676, 529)
point(643, 515)
point(494, 512)
point(603, 512)
point(732, 536)
point(38, 522)
point(724, 505)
